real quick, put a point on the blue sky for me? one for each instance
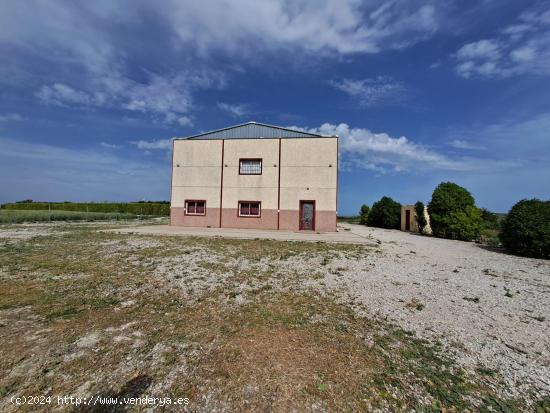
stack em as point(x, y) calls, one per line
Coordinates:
point(419, 92)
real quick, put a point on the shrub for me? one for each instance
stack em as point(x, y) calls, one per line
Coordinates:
point(526, 229)
point(420, 218)
point(364, 214)
point(385, 213)
point(453, 213)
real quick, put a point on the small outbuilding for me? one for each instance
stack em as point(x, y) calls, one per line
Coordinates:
point(409, 221)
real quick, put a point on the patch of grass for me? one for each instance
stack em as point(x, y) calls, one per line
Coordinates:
point(415, 304)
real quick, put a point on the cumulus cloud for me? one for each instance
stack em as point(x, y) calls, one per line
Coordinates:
point(168, 99)
point(235, 110)
point(521, 48)
point(372, 91)
point(92, 47)
point(383, 153)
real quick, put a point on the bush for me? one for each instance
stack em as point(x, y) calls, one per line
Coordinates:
point(420, 218)
point(453, 213)
point(526, 229)
point(364, 214)
point(385, 213)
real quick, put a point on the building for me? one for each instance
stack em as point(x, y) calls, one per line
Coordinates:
point(255, 176)
point(409, 220)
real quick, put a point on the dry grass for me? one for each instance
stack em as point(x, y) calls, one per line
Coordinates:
point(87, 313)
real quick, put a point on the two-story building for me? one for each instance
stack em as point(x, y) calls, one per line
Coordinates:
point(255, 176)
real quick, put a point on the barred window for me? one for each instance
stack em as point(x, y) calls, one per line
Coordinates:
point(249, 209)
point(250, 166)
point(193, 207)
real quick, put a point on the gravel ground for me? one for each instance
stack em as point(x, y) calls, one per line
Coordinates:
point(488, 308)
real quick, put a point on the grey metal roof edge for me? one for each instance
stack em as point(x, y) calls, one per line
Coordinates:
point(312, 135)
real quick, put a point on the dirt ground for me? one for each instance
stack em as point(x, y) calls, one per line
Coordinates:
point(405, 323)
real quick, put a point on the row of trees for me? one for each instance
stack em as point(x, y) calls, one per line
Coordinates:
point(453, 214)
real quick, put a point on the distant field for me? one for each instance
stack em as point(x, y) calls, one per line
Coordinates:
point(17, 216)
point(350, 220)
point(137, 208)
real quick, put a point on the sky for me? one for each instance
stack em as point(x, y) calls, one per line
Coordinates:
point(419, 92)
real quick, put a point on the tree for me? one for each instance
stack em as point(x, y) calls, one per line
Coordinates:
point(363, 214)
point(385, 213)
point(489, 219)
point(526, 229)
point(420, 218)
point(453, 213)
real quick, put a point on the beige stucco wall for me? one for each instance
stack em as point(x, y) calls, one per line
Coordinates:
point(251, 187)
point(309, 172)
point(196, 172)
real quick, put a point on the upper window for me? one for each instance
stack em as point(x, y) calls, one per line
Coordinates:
point(195, 207)
point(249, 209)
point(250, 166)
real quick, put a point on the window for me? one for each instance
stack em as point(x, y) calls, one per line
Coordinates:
point(250, 166)
point(249, 209)
point(193, 207)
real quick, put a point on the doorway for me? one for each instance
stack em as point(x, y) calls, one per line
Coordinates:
point(307, 215)
point(408, 220)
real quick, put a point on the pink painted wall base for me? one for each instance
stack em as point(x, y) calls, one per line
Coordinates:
point(325, 221)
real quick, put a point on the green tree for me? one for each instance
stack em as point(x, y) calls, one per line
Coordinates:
point(363, 214)
point(489, 219)
point(526, 229)
point(385, 213)
point(453, 213)
point(420, 218)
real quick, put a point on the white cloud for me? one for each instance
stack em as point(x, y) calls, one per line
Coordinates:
point(12, 117)
point(521, 48)
point(462, 144)
point(109, 145)
point(168, 99)
point(97, 66)
point(383, 153)
point(329, 26)
point(372, 91)
point(154, 144)
point(235, 110)
point(46, 172)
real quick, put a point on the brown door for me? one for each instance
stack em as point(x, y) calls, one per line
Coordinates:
point(307, 215)
point(408, 220)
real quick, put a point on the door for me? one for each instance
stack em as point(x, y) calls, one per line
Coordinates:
point(307, 215)
point(408, 220)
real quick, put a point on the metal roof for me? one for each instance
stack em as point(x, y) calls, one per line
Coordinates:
point(254, 130)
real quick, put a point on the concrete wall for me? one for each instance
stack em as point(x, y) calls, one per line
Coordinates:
point(308, 171)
